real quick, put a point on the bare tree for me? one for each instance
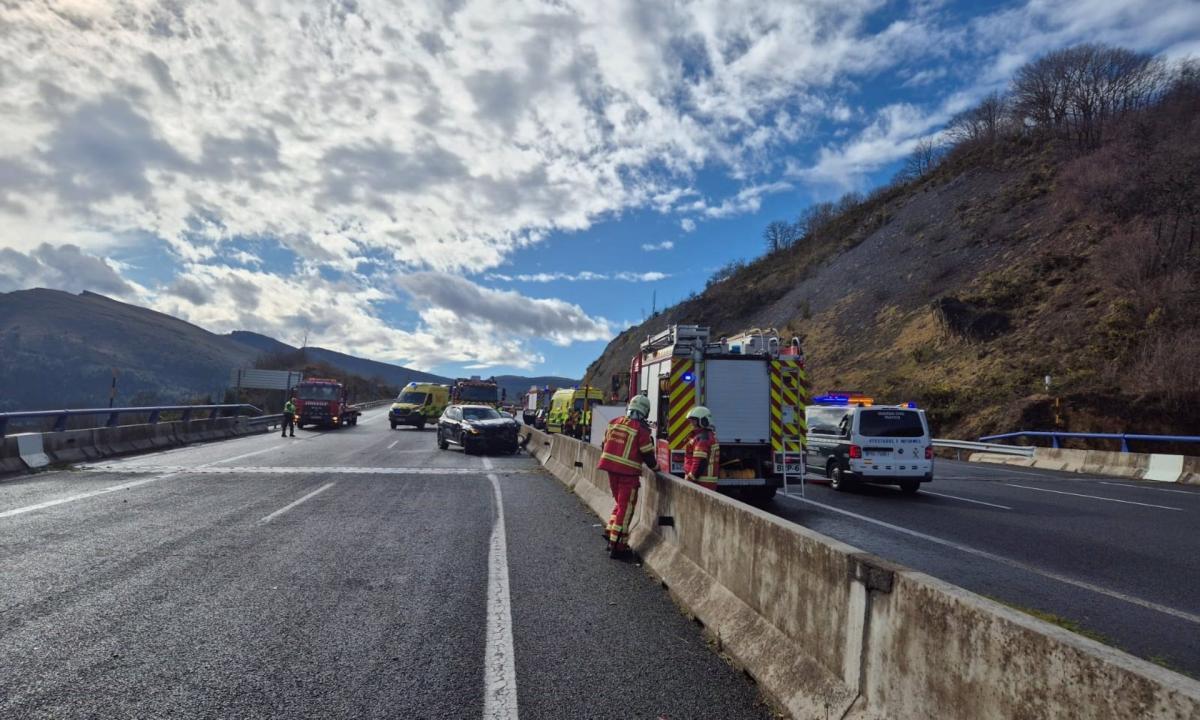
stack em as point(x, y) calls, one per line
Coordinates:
point(922, 160)
point(987, 122)
point(813, 219)
point(777, 235)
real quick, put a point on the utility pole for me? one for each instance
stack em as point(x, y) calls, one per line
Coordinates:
point(654, 303)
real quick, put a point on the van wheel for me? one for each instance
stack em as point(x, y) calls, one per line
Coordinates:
point(910, 487)
point(837, 478)
point(421, 424)
point(393, 424)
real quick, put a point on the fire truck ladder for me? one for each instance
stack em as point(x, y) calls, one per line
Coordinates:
point(793, 416)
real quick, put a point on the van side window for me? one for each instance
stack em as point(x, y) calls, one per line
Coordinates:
point(825, 420)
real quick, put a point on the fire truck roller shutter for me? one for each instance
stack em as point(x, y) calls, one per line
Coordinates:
point(739, 396)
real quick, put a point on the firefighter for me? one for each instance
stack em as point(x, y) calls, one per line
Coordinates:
point(627, 445)
point(289, 417)
point(702, 454)
point(572, 424)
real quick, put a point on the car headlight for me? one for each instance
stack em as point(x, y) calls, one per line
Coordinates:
point(472, 429)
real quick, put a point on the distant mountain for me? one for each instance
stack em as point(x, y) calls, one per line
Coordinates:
point(58, 350)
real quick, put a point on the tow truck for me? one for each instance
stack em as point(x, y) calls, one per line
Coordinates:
point(322, 401)
point(757, 389)
point(475, 391)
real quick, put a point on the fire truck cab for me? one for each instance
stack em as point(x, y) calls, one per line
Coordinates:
point(756, 388)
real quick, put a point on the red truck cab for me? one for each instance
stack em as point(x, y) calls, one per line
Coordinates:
point(321, 401)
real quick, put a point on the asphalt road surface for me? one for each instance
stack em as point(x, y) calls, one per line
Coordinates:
point(1114, 558)
point(356, 573)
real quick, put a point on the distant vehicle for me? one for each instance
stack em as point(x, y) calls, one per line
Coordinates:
point(756, 386)
point(537, 398)
point(418, 404)
point(476, 429)
point(851, 440)
point(321, 401)
point(476, 391)
point(567, 399)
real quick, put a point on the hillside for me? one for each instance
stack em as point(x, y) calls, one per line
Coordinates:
point(58, 350)
point(1028, 251)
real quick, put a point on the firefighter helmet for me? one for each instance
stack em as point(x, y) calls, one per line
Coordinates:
point(639, 404)
point(702, 415)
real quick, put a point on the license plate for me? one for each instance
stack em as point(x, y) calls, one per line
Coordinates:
point(878, 453)
point(791, 468)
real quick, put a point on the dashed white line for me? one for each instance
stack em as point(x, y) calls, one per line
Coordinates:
point(1155, 489)
point(1182, 615)
point(499, 668)
point(81, 496)
point(1093, 497)
point(291, 505)
point(955, 497)
point(393, 444)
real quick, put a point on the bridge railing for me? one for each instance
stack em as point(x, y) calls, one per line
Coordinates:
point(994, 448)
point(1124, 438)
point(154, 412)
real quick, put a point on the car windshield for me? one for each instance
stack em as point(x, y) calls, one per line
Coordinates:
point(477, 393)
point(890, 423)
point(317, 392)
point(414, 398)
point(825, 420)
point(479, 413)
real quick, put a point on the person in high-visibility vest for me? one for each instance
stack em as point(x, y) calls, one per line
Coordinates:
point(289, 417)
point(585, 428)
point(702, 454)
point(627, 445)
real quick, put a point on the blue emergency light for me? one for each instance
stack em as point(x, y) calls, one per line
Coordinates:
point(688, 377)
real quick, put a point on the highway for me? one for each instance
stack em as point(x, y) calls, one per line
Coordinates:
point(1114, 558)
point(353, 573)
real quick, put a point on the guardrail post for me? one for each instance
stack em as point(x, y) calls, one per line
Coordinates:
point(1124, 443)
point(153, 419)
point(3, 425)
point(214, 413)
point(112, 420)
point(1054, 440)
point(187, 415)
point(60, 424)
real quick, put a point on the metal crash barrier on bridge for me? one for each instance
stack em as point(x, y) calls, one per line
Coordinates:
point(829, 631)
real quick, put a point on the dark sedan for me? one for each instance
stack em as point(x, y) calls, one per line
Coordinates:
point(477, 428)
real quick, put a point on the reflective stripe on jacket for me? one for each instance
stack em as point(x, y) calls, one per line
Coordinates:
point(627, 444)
point(702, 455)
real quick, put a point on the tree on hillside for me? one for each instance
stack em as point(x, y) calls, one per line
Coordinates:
point(922, 160)
point(986, 123)
point(777, 235)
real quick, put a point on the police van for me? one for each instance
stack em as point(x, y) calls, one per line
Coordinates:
point(851, 441)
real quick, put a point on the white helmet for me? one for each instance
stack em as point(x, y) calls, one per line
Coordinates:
point(639, 407)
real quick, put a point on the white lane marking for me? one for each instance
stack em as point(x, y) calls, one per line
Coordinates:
point(1093, 497)
point(955, 497)
point(291, 505)
point(81, 496)
point(286, 470)
point(499, 667)
point(1156, 489)
point(393, 444)
point(1150, 605)
point(487, 463)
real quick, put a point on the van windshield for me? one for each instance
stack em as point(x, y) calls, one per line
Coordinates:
point(889, 422)
point(414, 398)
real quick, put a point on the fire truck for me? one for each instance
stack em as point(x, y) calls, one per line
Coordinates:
point(321, 401)
point(755, 386)
point(475, 391)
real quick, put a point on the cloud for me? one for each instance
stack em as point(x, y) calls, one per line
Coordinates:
point(747, 200)
point(585, 275)
point(450, 304)
point(664, 245)
point(63, 267)
point(687, 224)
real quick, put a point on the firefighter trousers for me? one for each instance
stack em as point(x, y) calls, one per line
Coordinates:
point(624, 491)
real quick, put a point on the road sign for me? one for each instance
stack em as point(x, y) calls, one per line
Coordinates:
point(265, 379)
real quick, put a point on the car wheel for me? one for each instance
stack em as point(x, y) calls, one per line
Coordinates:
point(441, 441)
point(837, 478)
point(910, 487)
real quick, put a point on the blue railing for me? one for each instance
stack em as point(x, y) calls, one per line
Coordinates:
point(1123, 437)
point(61, 416)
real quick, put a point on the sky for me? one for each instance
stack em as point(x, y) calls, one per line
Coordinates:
point(472, 186)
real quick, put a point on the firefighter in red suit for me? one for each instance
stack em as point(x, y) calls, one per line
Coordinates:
point(627, 445)
point(702, 454)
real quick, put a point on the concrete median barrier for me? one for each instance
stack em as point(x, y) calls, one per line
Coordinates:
point(831, 632)
point(1132, 466)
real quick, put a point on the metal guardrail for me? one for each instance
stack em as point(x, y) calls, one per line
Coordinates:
point(114, 414)
point(1020, 450)
point(1123, 437)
